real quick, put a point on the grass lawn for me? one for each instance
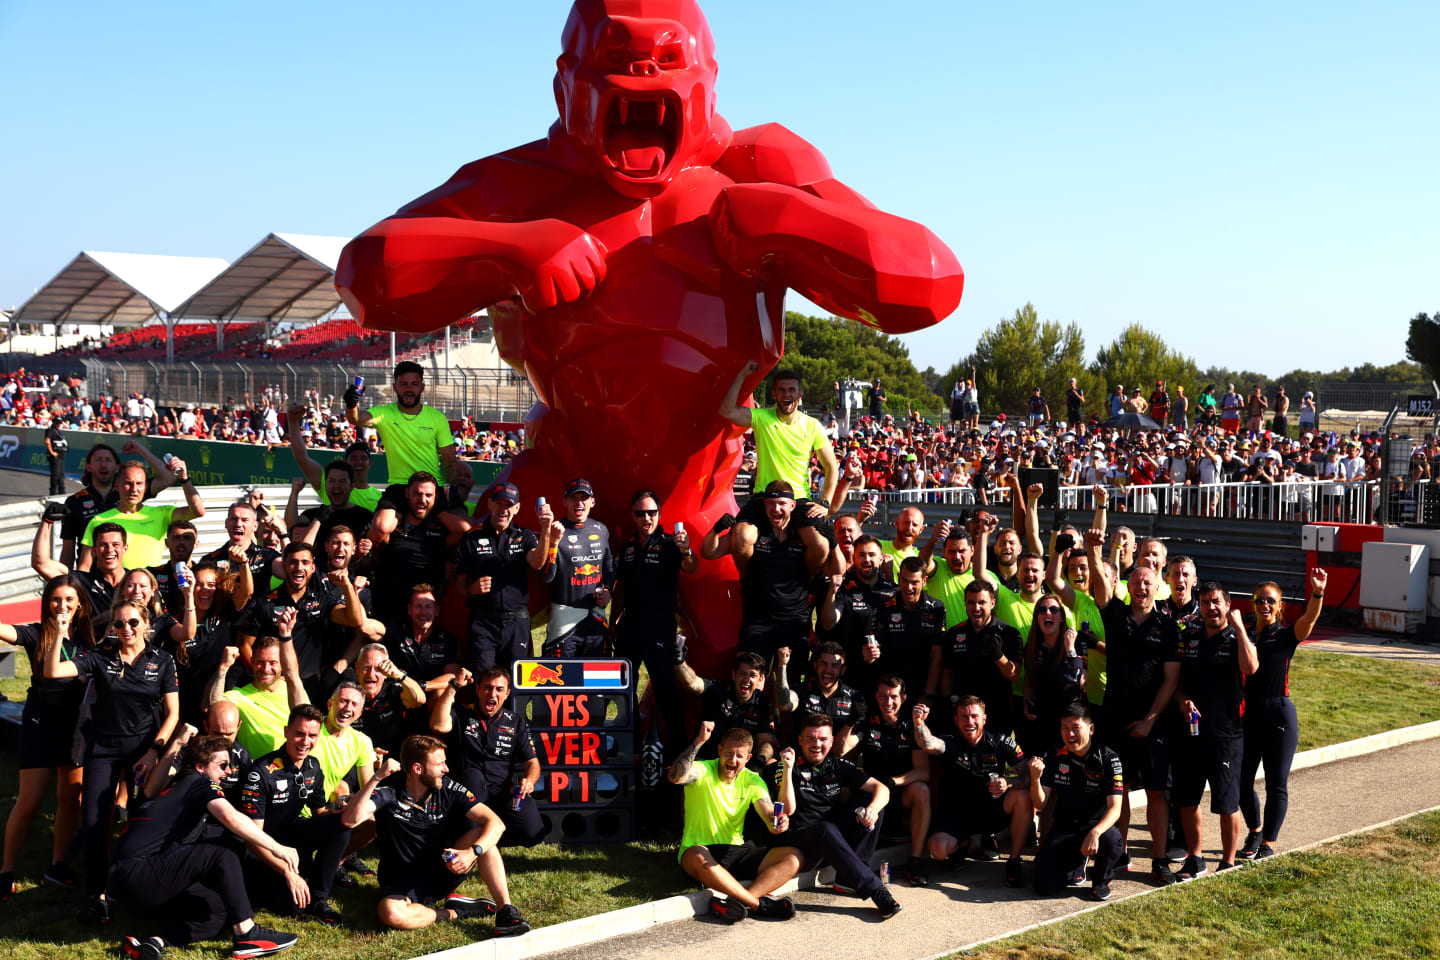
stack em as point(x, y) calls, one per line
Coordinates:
point(553, 884)
point(1375, 895)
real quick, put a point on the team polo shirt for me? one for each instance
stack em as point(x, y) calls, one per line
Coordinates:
point(715, 810)
point(948, 587)
point(126, 694)
point(721, 706)
point(488, 748)
point(412, 441)
point(894, 555)
point(784, 449)
point(173, 817)
point(339, 753)
point(412, 833)
point(1210, 676)
point(887, 750)
point(845, 705)
point(262, 717)
point(277, 790)
point(1083, 785)
point(144, 533)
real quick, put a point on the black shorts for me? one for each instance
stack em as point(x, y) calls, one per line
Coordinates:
point(1146, 760)
point(966, 816)
point(423, 883)
point(1202, 758)
point(741, 861)
point(51, 732)
point(754, 513)
point(766, 636)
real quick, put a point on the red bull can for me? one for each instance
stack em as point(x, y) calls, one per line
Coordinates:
point(539, 502)
point(779, 812)
point(516, 796)
point(679, 527)
point(360, 384)
point(884, 872)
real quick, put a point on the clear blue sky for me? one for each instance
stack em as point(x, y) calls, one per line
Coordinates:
point(1258, 182)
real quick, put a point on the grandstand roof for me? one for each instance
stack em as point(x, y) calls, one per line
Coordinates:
point(117, 288)
point(285, 276)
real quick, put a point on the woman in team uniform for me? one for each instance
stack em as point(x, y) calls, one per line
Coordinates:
point(51, 724)
point(1270, 725)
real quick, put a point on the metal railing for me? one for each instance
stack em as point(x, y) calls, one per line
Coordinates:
point(1300, 502)
point(484, 394)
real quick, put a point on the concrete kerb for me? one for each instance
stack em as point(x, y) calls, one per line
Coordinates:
point(1153, 890)
point(616, 923)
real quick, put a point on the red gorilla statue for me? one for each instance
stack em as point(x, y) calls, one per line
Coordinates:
point(634, 261)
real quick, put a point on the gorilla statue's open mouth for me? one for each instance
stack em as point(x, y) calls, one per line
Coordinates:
point(640, 132)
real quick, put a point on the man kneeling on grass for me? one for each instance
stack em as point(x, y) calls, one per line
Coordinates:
point(713, 849)
point(432, 831)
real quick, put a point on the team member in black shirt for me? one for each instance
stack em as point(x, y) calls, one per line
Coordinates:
point(495, 563)
point(1272, 730)
point(909, 627)
point(432, 832)
point(1181, 606)
point(414, 552)
point(123, 733)
point(422, 648)
point(194, 888)
point(580, 568)
point(833, 820)
point(646, 601)
point(888, 753)
point(742, 703)
point(1081, 786)
point(223, 720)
point(389, 694)
point(51, 740)
point(1215, 658)
point(276, 789)
point(241, 525)
point(980, 656)
point(1054, 674)
point(1140, 647)
point(977, 790)
point(822, 693)
point(314, 606)
point(494, 751)
point(218, 602)
point(100, 581)
point(179, 547)
point(852, 600)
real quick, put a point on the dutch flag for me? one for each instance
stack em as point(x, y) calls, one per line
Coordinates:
point(605, 674)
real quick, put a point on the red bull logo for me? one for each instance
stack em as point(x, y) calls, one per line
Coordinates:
point(587, 569)
point(539, 674)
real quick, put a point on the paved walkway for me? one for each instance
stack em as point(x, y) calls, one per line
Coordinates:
point(974, 904)
point(1377, 645)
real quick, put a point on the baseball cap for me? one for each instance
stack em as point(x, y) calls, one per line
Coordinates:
point(579, 487)
point(504, 490)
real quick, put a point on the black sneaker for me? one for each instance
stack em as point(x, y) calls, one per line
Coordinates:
point(915, 873)
point(775, 908)
point(1225, 866)
point(989, 849)
point(95, 910)
point(345, 877)
point(1075, 877)
point(60, 875)
point(142, 948)
point(1193, 867)
point(1252, 846)
point(885, 903)
point(468, 908)
point(1123, 864)
point(1265, 852)
point(1161, 875)
point(7, 886)
point(1100, 890)
point(730, 911)
point(261, 941)
point(1014, 873)
point(359, 867)
point(508, 922)
point(321, 912)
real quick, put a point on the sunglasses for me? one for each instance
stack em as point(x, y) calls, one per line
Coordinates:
point(224, 764)
point(645, 513)
point(1268, 601)
point(132, 623)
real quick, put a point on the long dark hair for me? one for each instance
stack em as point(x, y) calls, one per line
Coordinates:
point(81, 632)
point(85, 476)
point(1036, 638)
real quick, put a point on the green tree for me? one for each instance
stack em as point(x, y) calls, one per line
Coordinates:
point(1138, 357)
point(1020, 353)
point(1423, 343)
point(826, 349)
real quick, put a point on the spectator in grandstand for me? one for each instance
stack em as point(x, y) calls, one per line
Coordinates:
point(432, 832)
point(52, 718)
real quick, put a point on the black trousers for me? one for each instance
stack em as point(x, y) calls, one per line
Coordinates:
point(1060, 857)
point(649, 642)
point(841, 841)
point(1272, 732)
point(321, 843)
point(107, 762)
point(194, 891)
point(497, 642)
point(57, 475)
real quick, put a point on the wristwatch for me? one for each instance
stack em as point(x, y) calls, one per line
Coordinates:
point(158, 746)
point(479, 850)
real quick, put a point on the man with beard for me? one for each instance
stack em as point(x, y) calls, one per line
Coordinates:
point(947, 578)
point(908, 630)
point(412, 551)
point(838, 810)
point(853, 600)
point(338, 508)
point(713, 848)
point(582, 568)
point(977, 796)
point(416, 437)
point(647, 598)
point(179, 546)
point(1081, 787)
point(494, 751)
point(1215, 657)
point(908, 526)
point(495, 562)
point(740, 705)
point(821, 693)
point(980, 656)
point(276, 788)
point(389, 693)
point(889, 754)
point(264, 702)
point(422, 648)
point(314, 605)
point(432, 832)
